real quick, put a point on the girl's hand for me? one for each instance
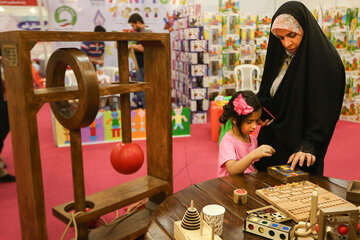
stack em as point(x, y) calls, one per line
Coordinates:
point(264, 151)
point(263, 123)
point(301, 157)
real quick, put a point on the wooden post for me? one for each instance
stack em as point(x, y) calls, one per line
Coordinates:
point(123, 63)
point(78, 179)
point(313, 210)
point(158, 124)
point(24, 136)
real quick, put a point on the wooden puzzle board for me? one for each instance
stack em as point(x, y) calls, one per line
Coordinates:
point(295, 198)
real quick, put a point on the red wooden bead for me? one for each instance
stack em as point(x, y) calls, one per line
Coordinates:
point(342, 229)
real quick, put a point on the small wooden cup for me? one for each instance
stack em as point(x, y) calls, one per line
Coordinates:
point(240, 196)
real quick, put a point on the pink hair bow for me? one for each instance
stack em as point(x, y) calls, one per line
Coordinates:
point(241, 107)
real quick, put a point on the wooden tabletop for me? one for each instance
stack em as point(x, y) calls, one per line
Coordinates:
point(220, 191)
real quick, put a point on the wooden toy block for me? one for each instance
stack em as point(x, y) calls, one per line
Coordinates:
point(284, 174)
point(266, 228)
point(269, 213)
point(240, 196)
point(353, 191)
point(294, 198)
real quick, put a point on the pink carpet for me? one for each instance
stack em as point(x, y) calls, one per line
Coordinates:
point(194, 158)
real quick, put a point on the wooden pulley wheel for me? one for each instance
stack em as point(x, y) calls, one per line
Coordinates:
point(88, 96)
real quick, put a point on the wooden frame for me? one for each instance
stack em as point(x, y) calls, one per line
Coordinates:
point(24, 102)
point(353, 191)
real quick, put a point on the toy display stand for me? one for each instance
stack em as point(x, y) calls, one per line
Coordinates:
point(24, 102)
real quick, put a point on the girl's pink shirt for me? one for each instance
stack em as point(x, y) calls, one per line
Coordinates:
point(231, 148)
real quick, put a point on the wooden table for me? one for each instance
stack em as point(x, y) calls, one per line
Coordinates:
point(220, 191)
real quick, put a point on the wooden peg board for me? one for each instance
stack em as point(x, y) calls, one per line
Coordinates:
point(295, 198)
point(284, 174)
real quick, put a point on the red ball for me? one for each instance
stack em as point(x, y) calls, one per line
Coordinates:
point(342, 229)
point(317, 228)
point(127, 158)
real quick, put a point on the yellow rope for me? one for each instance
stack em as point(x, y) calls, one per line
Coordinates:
point(72, 220)
point(130, 211)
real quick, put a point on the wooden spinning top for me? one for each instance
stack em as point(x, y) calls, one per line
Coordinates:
point(191, 219)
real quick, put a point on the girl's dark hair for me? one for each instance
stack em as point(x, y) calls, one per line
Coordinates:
point(250, 98)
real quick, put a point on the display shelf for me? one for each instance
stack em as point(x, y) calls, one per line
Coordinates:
point(112, 199)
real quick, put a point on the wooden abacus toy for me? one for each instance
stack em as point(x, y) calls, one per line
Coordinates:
point(193, 227)
point(24, 102)
point(284, 174)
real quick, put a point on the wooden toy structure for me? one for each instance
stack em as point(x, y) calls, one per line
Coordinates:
point(24, 102)
point(193, 227)
point(336, 216)
point(294, 198)
point(284, 174)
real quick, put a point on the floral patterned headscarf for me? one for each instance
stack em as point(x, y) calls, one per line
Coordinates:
point(287, 22)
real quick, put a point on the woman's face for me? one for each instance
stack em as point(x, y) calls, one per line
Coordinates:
point(290, 40)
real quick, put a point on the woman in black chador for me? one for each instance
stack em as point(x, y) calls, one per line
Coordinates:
point(302, 88)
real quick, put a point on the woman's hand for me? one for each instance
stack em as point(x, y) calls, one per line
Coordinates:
point(300, 157)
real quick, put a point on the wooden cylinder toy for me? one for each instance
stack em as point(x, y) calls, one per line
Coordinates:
point(240, 196)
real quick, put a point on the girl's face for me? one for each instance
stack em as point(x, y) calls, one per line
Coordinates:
point(250, 123)
point(290, 40)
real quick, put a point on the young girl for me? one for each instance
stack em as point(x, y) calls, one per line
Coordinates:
point(238, 148)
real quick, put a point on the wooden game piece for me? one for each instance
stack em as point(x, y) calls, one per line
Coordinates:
point(201, 223)
point(191, 218)
point(212, 231)
point(313, 210)
point(284, 174)
point(305, 229)
point(240, 195)
point(266, 228)
point(353, 191)
point(192, 229)
point(295, 200)
point(269, 213)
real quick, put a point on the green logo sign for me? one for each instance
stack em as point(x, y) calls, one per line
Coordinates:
point(63, 19)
